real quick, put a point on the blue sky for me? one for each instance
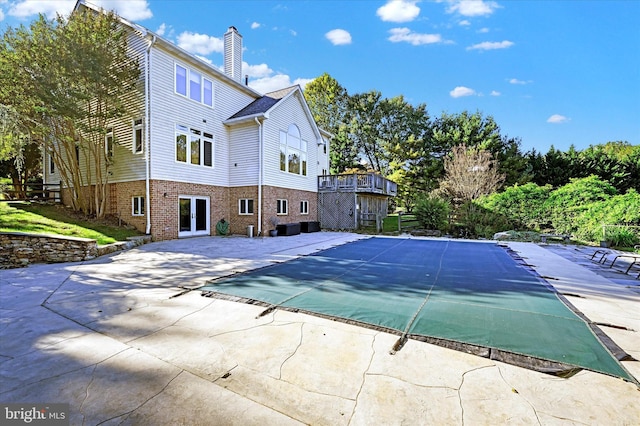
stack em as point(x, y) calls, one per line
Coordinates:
point(549, 72)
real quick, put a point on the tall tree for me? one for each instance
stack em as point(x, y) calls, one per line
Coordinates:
point(71, 78)
point(365, 116)
point(470, 172)
point(328, 101)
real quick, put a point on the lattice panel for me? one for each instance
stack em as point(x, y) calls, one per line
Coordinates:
point(336, 210)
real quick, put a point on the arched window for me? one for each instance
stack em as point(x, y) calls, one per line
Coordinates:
point(293, 151)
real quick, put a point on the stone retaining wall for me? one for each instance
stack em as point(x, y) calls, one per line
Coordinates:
point(19, 249)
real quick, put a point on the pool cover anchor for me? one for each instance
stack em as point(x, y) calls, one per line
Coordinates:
point(399, 344)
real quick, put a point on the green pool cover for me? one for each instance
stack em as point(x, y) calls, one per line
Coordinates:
point(459, 293)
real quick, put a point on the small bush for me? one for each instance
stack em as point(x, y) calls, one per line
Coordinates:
point(621, 237)
point(432, 212)
point(473, 220)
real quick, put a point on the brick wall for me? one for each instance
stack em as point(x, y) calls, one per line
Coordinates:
point(271, 194)
point(164, 205)
point(238, 223)
point(223, 202)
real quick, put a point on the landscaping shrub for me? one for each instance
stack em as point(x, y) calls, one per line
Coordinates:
point(475, 221)
point(618, 210)
point(522, 204)
point(568, 202)
point(621, 236)
point(432, 212)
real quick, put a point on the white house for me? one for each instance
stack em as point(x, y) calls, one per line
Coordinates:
point(204, 146)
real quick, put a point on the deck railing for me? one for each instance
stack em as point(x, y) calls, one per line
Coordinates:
point(357, 182)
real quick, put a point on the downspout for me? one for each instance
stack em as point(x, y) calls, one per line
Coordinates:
point(259, 176)
point(147, 114)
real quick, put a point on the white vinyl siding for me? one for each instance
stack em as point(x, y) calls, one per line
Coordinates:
point(127, 166)
point(244, 155)
point(289, 111)
point(168, 109)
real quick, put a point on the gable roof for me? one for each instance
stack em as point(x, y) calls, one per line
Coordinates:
point(261, 107)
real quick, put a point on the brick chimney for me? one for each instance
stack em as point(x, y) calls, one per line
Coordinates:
point(233, 54)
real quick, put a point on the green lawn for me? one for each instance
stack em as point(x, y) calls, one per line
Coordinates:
point(37, 218)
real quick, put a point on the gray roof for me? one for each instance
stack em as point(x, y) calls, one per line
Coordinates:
point(263, 104)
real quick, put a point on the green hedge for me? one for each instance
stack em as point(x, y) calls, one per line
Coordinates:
point(579, 208)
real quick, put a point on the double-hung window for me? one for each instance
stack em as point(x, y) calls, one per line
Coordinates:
point(194, 146)
point(293, 151)
point(137, 206)
point(245, 206)
point(304, 207)
point(282, 207)
point(193, 85)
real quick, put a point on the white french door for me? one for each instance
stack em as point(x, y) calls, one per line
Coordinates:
point(194, 216)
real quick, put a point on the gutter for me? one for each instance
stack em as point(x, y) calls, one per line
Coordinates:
point(260, 168)
point(147, 114)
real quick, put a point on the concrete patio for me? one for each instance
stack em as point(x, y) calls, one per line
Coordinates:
point(124, 340)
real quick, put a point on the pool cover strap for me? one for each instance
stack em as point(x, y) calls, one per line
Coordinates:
point(459, 294)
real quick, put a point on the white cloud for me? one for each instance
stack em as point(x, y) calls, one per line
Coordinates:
point(406, 35)
point(26, 8)
point(495, 93)
point(255, 25)
point(472, 7)
point(256, 71)
point(135, 10)
point(1, 15)
point(271, 83)
point(516, 81)
point(464, 23)
point(557, 119)
point(200, 43)
point(461, 91)
point(399, 11)
point(264, 80)
point(491, 45)
point(161, 29)
point(483, 30)
point(338, 37)
point(293, 32)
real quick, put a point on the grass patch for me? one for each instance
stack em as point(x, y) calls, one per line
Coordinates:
point(38, 218)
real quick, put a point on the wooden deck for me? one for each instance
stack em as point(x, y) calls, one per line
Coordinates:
point(370, 183)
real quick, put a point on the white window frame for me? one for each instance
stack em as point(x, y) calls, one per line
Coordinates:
point(204, 86)
point(137, 205)
point(304, 207)
point(138, 129)
point(291, 143)
point(245, 206)
point(282, 207)
point(108, 144)
point(192, 135)
point(52, 164)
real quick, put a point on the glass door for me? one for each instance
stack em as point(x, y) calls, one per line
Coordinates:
point(193, 216)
